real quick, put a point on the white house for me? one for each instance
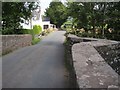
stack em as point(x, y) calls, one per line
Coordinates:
point(46, 23)
point(37, 19)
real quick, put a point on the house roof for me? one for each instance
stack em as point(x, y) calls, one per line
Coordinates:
point(45, 18)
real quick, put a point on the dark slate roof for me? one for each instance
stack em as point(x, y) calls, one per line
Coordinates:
point(45, 19)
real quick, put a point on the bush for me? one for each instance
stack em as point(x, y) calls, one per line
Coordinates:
point(37, 29)
point(8, 31)
point(47, 31)
point(25, 31)
point(113, 37)
point(35, 41)
point(83, 34)
point(17, 31)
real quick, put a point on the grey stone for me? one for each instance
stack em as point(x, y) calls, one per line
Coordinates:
point(91, 69)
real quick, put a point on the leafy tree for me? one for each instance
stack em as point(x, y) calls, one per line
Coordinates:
point(95, 14)
point(114, 15)
point(13, 13)
point(57, 13)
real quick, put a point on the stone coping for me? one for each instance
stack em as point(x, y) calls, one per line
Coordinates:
point(91, 69)
point(84, 39)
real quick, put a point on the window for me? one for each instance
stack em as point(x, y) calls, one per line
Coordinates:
point(45, 27)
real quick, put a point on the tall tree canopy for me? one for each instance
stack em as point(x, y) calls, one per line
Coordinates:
point(56, 12)
point(13, 14)
point(95, 14)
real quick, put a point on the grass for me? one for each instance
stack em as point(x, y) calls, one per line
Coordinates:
point(35, 41)
point(69, 66)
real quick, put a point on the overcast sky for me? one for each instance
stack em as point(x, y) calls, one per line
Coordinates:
point(44, 4)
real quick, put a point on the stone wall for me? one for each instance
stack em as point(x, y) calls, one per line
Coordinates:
point(90, 69)
point(13, 42)
point(111, 54)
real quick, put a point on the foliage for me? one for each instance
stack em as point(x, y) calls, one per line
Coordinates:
point(13, 14)
point(19, 31)
point(55, 10)
point(114, 16)
point(25, 31)
point(92, 15)
point(37, 29)
point(33, 33)
point(35, 41)
point(30, 31)
point(47, 31)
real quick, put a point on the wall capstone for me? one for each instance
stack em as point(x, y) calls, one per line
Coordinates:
point(90, 68)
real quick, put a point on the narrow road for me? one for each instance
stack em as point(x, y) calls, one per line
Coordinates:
point(37, 66)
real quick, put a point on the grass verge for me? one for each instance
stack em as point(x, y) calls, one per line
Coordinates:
point(35, 41)
point(69, 65)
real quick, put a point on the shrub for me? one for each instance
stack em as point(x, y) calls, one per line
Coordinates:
point(113, 37)
point(37, 29)
point(35, 41)
point(26, 31)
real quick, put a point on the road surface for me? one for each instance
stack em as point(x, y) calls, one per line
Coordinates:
point(37, 66)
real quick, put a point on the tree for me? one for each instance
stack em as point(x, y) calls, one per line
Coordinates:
point(114, 14)
point(95, 14)
point(57, 13)
point(13, 13)
point(81, 12)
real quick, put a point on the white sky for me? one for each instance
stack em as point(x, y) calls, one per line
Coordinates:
point(44, 4)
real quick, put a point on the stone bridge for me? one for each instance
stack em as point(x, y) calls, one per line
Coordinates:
point(95, 62)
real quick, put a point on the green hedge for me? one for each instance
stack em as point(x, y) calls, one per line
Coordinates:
point(27, 31)
point(37, 29)
point(111, 36)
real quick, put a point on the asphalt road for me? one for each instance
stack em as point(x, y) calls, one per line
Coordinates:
point(37, 66)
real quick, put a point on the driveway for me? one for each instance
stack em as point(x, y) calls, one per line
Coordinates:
point(38, 66)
